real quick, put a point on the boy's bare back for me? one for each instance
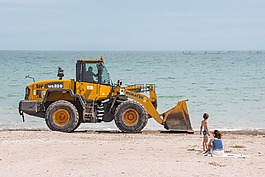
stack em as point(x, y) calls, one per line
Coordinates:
point(204, 124)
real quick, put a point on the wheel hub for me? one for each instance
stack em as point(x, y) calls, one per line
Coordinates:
point(61, 117)
point(130, 117)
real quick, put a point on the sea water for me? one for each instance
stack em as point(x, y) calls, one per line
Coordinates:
point(228, 85)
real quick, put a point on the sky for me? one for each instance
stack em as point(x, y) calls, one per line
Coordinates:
point(132, 25)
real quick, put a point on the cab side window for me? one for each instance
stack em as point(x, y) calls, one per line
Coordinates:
point(91, 74)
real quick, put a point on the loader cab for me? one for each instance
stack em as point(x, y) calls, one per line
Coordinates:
point(92, 71)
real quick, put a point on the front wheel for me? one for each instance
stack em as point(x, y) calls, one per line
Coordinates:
point(130, 116)
point(62, 116)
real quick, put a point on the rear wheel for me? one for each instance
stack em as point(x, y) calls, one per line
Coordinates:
point(62, 116)
point(130, 116)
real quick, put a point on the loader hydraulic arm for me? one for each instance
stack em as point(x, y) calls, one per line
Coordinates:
point(176, 118)
point(146, 102)
point(145, 88)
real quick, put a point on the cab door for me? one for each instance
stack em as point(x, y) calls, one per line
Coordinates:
point(87, 86)
point(93, 80)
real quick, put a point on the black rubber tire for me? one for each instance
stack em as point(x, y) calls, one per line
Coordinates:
point(133, 105)
point(73, 122)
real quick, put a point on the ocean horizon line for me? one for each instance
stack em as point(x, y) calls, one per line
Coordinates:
point(138, 50)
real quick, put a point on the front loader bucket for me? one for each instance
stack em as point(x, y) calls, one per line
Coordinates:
point(177, 118)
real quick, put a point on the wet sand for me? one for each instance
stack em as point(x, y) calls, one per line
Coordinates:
point(150, 153)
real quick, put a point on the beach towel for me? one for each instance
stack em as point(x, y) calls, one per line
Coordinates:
point(226, 155)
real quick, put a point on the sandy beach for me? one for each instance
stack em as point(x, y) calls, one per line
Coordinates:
point(150, 153)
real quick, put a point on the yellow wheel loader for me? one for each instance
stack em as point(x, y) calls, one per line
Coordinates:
point(92, 98)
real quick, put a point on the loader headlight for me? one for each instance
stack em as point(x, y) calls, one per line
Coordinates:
point(43, 93)
point(40, 93)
